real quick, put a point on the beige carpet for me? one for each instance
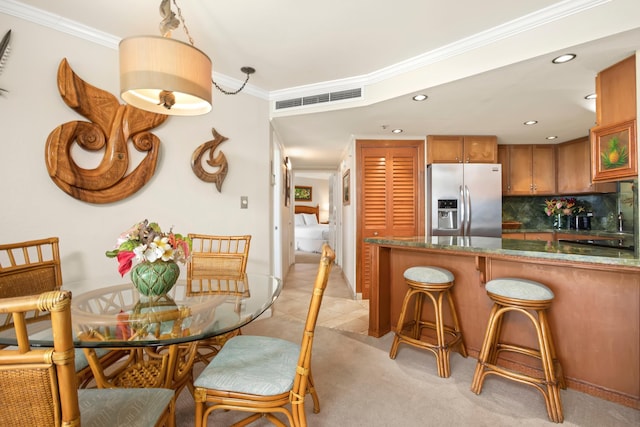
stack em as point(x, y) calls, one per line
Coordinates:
point(307, 257)
point(359, 385)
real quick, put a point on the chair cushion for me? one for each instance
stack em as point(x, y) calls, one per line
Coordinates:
point(522, 289)
point(80, 359)
point(81, 362)
point(257, 365)
point(428, 275)
point(130, 407)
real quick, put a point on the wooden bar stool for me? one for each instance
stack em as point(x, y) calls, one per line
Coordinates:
point(532, 299)
point(434, 283)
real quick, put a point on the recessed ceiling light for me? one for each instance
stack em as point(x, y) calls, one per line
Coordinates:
point(420, 97)
point(591, 96)
point(397, 131)
point(552, 137)
point(564, 58)
point(530, 122)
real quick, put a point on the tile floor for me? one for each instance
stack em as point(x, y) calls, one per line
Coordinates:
point(339, 309)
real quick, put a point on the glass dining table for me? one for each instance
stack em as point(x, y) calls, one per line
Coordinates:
point(159, 335)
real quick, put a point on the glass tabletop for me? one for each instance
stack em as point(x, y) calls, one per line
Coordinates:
point(207, 306)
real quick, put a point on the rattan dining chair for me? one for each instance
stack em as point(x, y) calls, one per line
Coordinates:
point(29, 268)
point(215, 255)
point(39, 386)
point(33, 267)
point(264, 375)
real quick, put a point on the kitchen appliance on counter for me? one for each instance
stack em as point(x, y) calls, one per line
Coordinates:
point(464, 199)
point(581, 222)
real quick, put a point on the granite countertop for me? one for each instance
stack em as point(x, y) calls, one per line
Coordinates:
point(559, 251)
point(602, 233)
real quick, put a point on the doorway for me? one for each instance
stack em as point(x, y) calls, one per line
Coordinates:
point(313, 195)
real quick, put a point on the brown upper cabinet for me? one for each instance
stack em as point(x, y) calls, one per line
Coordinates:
point(462, 149)
point(614, 141)
point(528, 169)
point(616, 93)
point(573, 160)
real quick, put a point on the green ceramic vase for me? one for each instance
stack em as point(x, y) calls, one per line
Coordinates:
point(155, 278)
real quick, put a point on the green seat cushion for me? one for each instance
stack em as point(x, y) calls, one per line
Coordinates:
point(123, 407)
point(257, 365)
point(80, 359)
point(522, 289)
point(425, 274)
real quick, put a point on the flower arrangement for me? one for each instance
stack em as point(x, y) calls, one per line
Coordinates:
point(563, 206)
point(146, 242)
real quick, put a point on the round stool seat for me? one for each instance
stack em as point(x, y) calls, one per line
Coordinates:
point(521, 289)
point(428, 275)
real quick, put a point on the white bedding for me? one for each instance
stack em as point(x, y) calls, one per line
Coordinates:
point(310, 236)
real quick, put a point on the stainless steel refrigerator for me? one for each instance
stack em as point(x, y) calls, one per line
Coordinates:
point(464, 199)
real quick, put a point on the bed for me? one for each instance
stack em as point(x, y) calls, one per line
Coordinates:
point(310, 235)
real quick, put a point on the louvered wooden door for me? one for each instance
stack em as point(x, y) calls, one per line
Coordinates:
point(390, 185)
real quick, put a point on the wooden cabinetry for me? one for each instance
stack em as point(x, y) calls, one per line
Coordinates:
point(544, 236)
point(593, 303)
point(614, 136)
point(616, 90)
point(390, 183)
point(462, 149)
point(573, 159)
point(528, 169)
point(515, 236)
point(503, 159)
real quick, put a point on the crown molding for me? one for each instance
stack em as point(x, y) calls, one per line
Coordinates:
point(512, 28)
point(509, 29)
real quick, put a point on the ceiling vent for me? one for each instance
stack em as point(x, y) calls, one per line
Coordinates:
point(318, 99)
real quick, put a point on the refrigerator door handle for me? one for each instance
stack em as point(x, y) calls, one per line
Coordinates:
point(467, 206)
point(463, 212)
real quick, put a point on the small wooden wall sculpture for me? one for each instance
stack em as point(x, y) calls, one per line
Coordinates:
point(110, 127)
point(218, 161)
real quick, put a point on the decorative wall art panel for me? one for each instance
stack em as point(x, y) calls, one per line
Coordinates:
point(109, 129)
point(614, 152)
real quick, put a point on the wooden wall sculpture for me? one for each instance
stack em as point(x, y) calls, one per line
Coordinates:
point(110, 127)
point(5, 48)
point(218, 161)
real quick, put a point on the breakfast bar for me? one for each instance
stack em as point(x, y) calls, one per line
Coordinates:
point(595, 318)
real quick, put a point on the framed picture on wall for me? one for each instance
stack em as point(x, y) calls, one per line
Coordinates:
point(303, 194)
point(346, 188)
point(613, 151)
point(287, 182)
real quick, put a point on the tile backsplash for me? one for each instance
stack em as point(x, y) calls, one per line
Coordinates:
point(605, 208)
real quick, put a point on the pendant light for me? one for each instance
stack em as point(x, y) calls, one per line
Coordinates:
point(167, 76)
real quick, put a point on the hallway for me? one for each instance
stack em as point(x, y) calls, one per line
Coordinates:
point(339, 310)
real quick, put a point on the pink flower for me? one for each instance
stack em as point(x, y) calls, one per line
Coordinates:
point(125, 261)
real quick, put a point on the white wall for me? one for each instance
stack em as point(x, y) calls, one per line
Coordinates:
point(348, 220)
point(282, 224)
point(34, 207)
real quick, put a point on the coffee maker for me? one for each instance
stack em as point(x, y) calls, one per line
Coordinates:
point(582, 222)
